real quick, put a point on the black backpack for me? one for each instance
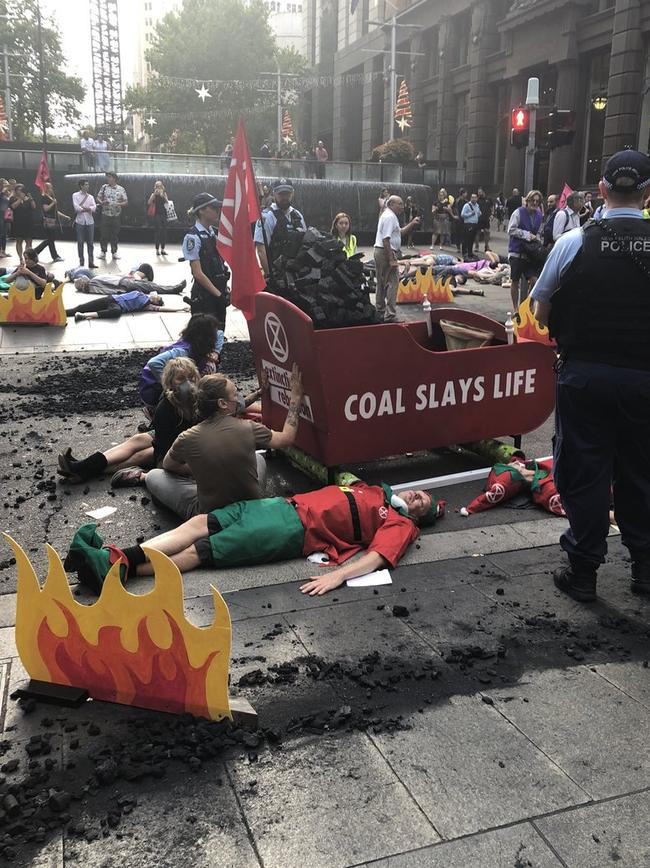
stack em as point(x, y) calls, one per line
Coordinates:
point(547, 232)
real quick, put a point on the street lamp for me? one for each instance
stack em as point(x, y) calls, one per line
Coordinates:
point(599, 103)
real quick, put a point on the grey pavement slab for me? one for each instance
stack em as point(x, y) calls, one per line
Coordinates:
point(192, 820)
point(327, 803)
point(632, 677)
point(593, 731)
point(512, 847)
point(469, 769)
point(615, 832)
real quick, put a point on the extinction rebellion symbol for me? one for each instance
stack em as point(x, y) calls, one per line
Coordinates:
point(276, 337)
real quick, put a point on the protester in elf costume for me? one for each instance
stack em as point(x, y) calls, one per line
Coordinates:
point(338, 520)
point(508, 480)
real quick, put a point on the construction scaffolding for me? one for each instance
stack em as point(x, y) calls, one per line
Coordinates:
point(107, 75)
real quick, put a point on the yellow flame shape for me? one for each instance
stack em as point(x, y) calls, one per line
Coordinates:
point(22, 306)
point(528, 327)
point(118, 608)
point(413, 290)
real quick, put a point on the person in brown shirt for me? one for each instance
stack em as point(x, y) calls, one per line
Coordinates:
point(215, 463)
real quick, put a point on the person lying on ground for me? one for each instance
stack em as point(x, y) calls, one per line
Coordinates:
point(143, 271)
point(112, 307)
point(216, 462)
point(201, 340)
point(107, 284)
point(339, 521)
point(175, 413)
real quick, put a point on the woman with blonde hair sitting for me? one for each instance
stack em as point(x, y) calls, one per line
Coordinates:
point(175, 413)
point(341, 230)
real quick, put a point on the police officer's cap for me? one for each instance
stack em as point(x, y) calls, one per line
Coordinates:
point(282, 185)
point(202, 200)
point(627, 171)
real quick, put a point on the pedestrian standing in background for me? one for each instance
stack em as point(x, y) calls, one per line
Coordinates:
point(470, 216)
point(587, 210)
point(603, 378)
point(457, 222)
point(157, 210)
point(500, 212)
point(51, 222)
point(513, 202)
point(549, 218)
point(87, 145)
point(388, 242)
point(84, 222)
point(22, 206)
point(442, 217)
point(100, 148)
point(265, 150)
point(525, 226)
point(322, 156)
point(112, 197)
point(5, 225)
point(411, 211)
point(568, 218)
point(341, 226)
point(209, 272)
point(486, 207)
point(381, 201)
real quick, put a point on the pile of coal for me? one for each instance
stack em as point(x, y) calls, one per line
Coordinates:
point(315, 274)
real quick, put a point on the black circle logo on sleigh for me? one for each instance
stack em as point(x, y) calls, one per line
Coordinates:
point(276, 337)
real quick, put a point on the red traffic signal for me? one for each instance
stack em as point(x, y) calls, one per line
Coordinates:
point(520, 119)
point(520, 127)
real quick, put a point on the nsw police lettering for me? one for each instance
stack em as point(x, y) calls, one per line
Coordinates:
point(448, 393)
point(623, 245)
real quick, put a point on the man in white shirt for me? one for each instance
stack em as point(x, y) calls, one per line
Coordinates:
point(87, 145)
point(388, 242)
point(84, 208)
point(568, 218)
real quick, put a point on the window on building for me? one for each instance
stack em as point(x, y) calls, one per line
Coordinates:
point(596, 110)
point(462, 111)
point(433, 52)
point(433, 137)
point(463, 32)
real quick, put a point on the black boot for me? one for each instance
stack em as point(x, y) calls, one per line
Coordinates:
point(640, 575)
point(578, 580)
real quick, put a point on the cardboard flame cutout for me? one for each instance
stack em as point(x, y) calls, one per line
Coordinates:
point(22, 306)
point(413, 290)
point(529, 328)
point(133, 649)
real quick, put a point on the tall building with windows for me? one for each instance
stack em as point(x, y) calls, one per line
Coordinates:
point(147, 14)
point(467, 64)
point(286, 20)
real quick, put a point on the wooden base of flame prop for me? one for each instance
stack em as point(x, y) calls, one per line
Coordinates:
point(132, 649)
point(413, 290)
point(529, 328)
point(21, 307)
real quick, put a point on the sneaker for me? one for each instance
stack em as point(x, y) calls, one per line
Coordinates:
point(580, 586)
point(127, 477)
point(163, 252)
point(92, 265)
point(157, 252)
point(57, 259)
point(102, 255)
point(78, 317)
point(640, 577)
point(91, 560)
point(115, 255)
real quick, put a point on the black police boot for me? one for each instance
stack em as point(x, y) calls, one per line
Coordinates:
point(578, 580)
point(640, 575)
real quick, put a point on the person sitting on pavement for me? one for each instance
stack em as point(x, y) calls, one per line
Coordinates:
point(113, 284)
point(113, 306)
point(201, 340)
point(175, 413)
point(339, 521)
point(216, 462)
point(30, 271)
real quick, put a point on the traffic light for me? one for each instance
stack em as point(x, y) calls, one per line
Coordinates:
point(520, 127)
point(561, 127)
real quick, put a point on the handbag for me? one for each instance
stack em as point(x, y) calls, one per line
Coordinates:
point(151, 210)
point(534, 252)
point(170, 211)
point(9, 215)
point(49, 222)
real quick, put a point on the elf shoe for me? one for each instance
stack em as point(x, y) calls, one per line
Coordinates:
point(91, 560)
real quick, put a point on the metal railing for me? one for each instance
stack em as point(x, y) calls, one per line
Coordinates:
point(73, 162)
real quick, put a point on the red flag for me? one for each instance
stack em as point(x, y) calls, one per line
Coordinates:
point(43, 173)
point(566, 191)
point(234, 240)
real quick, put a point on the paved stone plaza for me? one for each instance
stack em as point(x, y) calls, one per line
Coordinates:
point(494, 724)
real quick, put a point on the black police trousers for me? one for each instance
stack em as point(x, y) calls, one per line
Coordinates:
point(602, 425)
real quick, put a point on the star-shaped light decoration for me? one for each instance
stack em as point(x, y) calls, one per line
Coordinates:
point(151, 121)
point(203, 93)
point(402, 123)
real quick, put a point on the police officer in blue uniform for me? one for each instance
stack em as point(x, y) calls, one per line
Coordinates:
point(279, 222)
point(594, 294)
point(209, 272)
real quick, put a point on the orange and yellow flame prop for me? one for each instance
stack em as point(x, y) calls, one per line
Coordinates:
point(21, 306)
point(133, 649)
point(413, 290)
point(529, 328)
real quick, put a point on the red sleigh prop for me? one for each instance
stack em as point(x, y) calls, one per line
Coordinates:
point(377, 391)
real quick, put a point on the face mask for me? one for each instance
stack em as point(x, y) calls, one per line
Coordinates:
point(397, 503)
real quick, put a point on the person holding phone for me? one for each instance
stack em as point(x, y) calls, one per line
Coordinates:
point(22, 204)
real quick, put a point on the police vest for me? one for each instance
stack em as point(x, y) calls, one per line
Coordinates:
point(287, 234)
point(212, 264)
point(601, 311)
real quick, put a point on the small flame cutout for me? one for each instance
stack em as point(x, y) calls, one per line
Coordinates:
point(22, 306)
point(413, 290)
point(529, 328)
point(132, 649)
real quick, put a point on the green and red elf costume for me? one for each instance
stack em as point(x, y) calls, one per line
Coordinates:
point(507, 481)
point(337, 520)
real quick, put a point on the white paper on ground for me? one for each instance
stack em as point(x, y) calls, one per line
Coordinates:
point(102, 512)
point(379, 577)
